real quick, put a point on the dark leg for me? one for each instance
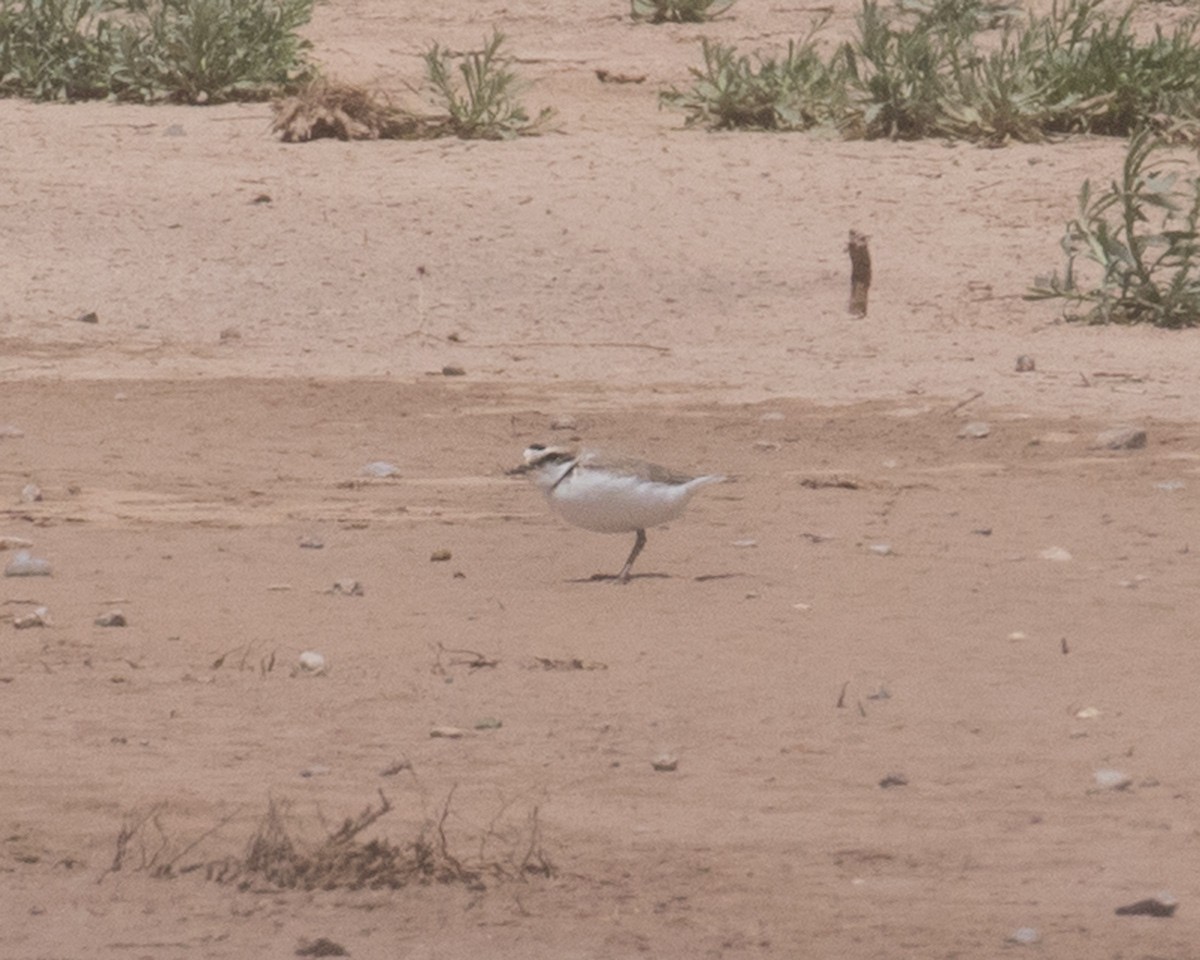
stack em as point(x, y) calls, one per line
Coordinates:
point(640, 542)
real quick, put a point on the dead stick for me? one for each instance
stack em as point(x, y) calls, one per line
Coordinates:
point(860, 273)
point(962, 403)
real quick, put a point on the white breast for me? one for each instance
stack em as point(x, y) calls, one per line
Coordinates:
point(596, 499)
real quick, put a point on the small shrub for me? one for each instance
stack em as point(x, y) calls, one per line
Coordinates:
point(1097, 62)
point(898, 76)
point(199, 51)
point(678, 11)
point(920, 70)
point(54, 49)
point(733, 91)
point(1141, 237)
point(194, 51)
point(484, 104)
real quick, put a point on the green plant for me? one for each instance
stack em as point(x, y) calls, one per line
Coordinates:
point(964, 16)
point(199, 51)
point(485, 104)
point(921, 69)
point(678, 11)
point(733, 91)
point(1003, 96)
point(1141, 237)
point(54, 49)
point(1119, 80)
point(898, 75)
point(193, 51)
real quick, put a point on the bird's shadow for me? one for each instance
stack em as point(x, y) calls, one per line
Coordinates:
point(614, 578)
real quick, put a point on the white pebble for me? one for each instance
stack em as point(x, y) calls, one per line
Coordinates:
point(380, 468)
point(1121, 438)
point(881, 549)
point(40, 617)
point(311, 662)
point(1112, 780)
point(1057, 554)
point(24, 564)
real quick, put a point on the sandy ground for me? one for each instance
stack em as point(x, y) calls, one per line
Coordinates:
point(867, 600)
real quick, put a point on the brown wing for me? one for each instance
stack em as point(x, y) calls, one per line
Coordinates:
point(596, 460)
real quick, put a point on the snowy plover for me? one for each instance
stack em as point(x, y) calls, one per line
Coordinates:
point(610, 494)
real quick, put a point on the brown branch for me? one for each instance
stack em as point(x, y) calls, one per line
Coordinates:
point(860, 273)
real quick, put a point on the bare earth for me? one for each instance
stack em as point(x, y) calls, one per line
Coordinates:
point(867, 600)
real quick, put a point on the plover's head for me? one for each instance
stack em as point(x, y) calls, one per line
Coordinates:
point(540, 455)
point(544, 461)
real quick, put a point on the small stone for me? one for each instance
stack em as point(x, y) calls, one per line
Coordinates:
point(975, 430)
point(89, 317)
point(451, 370)
point(380, 469)
point(439, 556)
point(1112, 780)
point(114, 618)
point(881, 549)
point(488, 723)
point(14, 543)
point(311, 662)
point(665, 763)
point(894, 780)
point(1056, 554)
point(1121, 438)
point(1087, 713)
point(312, 543)
point(745, 544)
point(347, 588)
point(766, 446)
point(24, 564)
point(31, 493)
point(38, 618)
point(1170, 486)
point(564, 423)
point(1025, 936)
point(229, 334)
point(1160, 905)
point(1026, 364)
point(321, 947)
point(448, 733)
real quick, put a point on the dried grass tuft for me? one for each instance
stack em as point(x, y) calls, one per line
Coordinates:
point(274, 857)
point(344, 111)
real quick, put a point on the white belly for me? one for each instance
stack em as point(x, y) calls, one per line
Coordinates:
point(617, 504)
